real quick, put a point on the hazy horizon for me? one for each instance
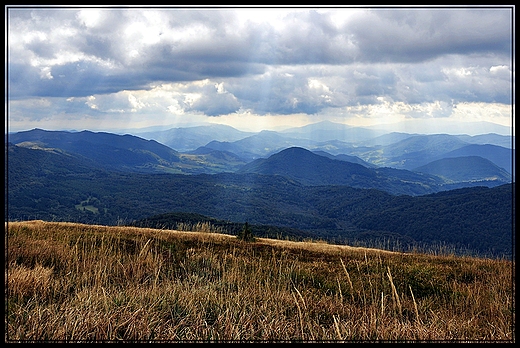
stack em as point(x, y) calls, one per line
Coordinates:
point(468, 128)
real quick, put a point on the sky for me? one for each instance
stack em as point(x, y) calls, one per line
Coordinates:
point(409, 69)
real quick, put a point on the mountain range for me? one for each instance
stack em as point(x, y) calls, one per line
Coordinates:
point(125, 152)
point(404, 152)
point(372, 187)
point(311, 169)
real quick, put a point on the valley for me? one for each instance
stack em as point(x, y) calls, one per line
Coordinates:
point(404, 191)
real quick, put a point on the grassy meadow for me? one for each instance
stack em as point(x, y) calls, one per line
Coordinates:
point(74, 282)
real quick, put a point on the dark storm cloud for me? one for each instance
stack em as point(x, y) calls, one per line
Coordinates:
point(404, 35)
point(69, 80)
point(312, 38)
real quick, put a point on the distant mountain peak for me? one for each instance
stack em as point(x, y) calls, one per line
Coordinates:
point(466, 168)
point(308, 168)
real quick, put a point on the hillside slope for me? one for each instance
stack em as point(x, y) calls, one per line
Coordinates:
point(126, 153)
point(478, 219)
point(313, 169)
point(500, 156)
point(466, 169)
point(103, 284)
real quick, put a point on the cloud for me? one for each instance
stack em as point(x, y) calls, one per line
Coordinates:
point(418, 35)
point(214, 100)
point(258, 61)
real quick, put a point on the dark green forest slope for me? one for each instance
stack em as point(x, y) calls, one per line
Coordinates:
point(478, 219)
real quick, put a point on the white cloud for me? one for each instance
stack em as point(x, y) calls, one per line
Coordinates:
point(501, 71)
point(363, 65)
point(45, 73)
point(91, 102)
point(90, 17)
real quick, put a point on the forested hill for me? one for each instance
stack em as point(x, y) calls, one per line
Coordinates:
point(458, 169)
point(309, 168)
point(478, 219)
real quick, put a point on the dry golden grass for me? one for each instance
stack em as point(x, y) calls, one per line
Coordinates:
point(73, 282)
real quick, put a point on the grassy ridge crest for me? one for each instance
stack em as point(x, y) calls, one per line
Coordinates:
point(77, 282)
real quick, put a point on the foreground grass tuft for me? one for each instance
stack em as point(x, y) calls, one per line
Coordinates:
point(74, 282)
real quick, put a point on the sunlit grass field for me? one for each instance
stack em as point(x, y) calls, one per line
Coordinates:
point(75, 282)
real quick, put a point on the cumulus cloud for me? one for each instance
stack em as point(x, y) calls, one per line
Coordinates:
point(214, 100)
point(262, 61)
